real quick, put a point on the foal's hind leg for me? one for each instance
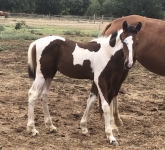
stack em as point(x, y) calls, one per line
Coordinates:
point(33, 94)
point(44, 99)
point(91, 99)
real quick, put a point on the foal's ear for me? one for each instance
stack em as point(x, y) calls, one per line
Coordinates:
point(125, 26)
point(138, 27)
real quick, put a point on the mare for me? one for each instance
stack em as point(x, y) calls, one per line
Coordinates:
point(5, 14)
point(95, 60)
point(150, 53)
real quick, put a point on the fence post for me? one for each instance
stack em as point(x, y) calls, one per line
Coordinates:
point(102, 18)
point(49, 16)
point(94, 17)
point(78, 18)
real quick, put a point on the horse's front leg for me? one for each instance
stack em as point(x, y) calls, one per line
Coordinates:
point(91, 99)
point(101, 84)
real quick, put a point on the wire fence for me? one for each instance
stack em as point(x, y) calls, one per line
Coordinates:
point(92, 19)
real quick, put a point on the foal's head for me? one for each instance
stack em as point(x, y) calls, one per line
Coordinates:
point(130, 42)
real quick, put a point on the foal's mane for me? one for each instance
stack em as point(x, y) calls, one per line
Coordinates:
point(106, 39)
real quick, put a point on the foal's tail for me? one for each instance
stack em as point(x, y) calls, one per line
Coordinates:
point(32, 60)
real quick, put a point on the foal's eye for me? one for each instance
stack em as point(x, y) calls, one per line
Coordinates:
point(136, 43)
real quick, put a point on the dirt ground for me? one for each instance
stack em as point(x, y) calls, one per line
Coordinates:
point(141, 105)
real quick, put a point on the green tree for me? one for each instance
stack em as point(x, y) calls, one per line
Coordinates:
point(118, 8)
point(18, 6)
point(149, 8)
point(78, 7)
point(94, 8)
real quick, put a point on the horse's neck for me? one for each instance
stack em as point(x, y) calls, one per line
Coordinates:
point(119, 44)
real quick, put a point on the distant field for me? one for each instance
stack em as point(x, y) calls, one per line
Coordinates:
point(84, 31)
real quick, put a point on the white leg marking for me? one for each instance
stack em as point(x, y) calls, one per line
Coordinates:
point(83, 122)
point(118, 121)
point(44, 99)
point(112, 122)
point(106, 110)
point(33, 94)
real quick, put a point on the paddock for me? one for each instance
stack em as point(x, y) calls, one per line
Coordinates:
point(141, 105)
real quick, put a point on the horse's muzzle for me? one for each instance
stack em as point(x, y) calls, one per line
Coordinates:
point(127, 65)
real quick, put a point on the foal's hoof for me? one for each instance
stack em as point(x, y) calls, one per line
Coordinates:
point(33, 131)
point(116, 132)
point(115, 143)
point(84, 129)
point(86, 134)
point(53, 129)
point(118, 122)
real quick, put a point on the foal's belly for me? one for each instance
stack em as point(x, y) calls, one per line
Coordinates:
point(83, 71)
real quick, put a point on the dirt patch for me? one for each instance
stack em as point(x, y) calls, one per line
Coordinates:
point(142, 108)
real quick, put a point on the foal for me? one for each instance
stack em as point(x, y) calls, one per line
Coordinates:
point(94, 60)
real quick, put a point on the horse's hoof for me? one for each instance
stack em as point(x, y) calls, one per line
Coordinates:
point(32, 130)
point(115, 143)
point(35, 133)
point(53, 129)
point(118, 122)
point(86, 134)
point(84, 130)
point(116, 132)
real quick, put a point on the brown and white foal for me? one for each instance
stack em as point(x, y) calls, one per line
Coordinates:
point(94, 60)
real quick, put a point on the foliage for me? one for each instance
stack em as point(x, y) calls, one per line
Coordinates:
point(94, 8)
point(74, 32)
point(2, 28)
point(149, 8)
point(15, 35)
point(117, 8)
point(36, 32)
point(20, 24)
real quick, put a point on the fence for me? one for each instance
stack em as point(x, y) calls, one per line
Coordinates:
point(93, 18)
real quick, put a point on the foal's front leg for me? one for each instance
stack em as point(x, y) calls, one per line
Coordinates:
point(44, 100)
point(91, 99)
point(101, 84)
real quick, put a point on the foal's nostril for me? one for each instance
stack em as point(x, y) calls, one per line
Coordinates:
point(126, 65)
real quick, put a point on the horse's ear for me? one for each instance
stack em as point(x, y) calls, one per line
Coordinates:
point(138, 27)
point(125, 26)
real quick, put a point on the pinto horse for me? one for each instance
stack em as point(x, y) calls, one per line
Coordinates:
point(94, 60)
point(5, 14)
point(150, 52)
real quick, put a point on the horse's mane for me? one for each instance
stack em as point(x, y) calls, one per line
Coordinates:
point(105, 39)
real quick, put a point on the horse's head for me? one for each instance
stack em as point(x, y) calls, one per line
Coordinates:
point(130, 42)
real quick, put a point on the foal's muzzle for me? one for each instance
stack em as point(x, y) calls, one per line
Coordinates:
point(127, 65)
